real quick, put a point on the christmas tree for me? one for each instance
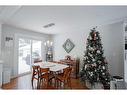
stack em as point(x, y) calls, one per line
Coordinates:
point(95, 67)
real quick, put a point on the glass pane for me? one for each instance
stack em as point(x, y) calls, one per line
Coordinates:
point(24, 59)
point(36, 50)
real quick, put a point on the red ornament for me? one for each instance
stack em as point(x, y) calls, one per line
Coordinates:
point(94, 36)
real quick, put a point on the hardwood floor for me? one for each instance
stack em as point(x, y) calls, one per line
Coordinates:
point(24, 82)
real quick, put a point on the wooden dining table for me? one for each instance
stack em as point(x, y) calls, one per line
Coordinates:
point(53, 67)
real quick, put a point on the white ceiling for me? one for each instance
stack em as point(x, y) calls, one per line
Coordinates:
point(66, 18)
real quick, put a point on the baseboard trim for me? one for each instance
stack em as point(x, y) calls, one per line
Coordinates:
point(20, 75)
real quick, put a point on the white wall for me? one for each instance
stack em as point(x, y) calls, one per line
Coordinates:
point(125, 54)
point(1, 65)
point(112, 40)
point(8, 52)
point(77, 37)
point(0, 38)
point(112, 37)
point(1, 70)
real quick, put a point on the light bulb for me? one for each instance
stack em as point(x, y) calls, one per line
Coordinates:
point(45, 43)
point(51, 43)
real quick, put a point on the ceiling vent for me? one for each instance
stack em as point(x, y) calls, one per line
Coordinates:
point(49, 25)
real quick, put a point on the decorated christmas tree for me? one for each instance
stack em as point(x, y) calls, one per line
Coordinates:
point(95, 67)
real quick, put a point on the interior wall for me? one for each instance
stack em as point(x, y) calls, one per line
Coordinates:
point(8, 50)
point(112, 40)
point(0, 38)
point(112, 37)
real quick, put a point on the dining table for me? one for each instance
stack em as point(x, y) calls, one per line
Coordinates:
point(53, 67)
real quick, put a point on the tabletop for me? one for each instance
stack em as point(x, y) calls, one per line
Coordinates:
point(52, 66)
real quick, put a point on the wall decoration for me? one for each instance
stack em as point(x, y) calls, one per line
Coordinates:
point(68, 45)
point(9, 41)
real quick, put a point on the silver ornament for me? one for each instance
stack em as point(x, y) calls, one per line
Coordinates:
point(103, 73)
point(103, 67)
point(93, 59)
point(98, 51)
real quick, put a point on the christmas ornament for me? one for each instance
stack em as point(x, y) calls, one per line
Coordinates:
point(103, 73)
point(91, 55)
point(103, 67)
point(94, 33)
point(93, 60)
point(91, 74)
point(98, 51)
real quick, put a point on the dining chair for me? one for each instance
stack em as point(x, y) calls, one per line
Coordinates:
point(45, 77)
point(64, 77)
point(35, 74)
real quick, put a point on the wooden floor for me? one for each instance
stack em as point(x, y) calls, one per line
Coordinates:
point(24, 82)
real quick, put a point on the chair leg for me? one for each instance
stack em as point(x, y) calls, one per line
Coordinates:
point(60, 84)
point(69, 83)
point(32, 82)
point(38, 84)
point(64, 84)
point(56, 83)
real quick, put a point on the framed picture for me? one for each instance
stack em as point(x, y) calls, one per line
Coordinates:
point(68, 45)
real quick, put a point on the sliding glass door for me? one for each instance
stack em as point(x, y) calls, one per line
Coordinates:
point(36, 50)
point(28, 51)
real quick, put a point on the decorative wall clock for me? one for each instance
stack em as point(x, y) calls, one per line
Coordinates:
point(68, 45)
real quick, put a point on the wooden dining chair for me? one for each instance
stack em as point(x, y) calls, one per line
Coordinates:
point(64, 77)
point(35, 74)
point(45, 77)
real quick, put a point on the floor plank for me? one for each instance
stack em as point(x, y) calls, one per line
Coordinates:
point(24, 82)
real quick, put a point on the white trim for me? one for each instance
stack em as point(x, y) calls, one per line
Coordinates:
point(20, 75)
point(15, 66)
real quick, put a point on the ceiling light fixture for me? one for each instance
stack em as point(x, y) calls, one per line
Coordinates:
point(49, 25)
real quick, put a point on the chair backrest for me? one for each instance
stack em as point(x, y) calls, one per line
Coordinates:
point(67, 73)
point(36, 68)
point(44, 70)
point(36, 61)
point(56, 62)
